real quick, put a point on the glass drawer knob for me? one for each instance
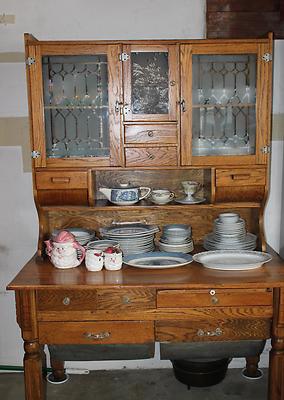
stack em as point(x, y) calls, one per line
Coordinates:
point(66, 301)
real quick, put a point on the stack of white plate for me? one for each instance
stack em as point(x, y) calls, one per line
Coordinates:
point(132, 238)
point(82, 236)
point(229, 234)
point(176, 238)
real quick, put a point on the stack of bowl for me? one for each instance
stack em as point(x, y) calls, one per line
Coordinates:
point(176, 238)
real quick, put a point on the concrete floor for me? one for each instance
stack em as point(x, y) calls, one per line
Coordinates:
point(138, 385)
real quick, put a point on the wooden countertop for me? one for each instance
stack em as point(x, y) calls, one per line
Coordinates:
point(41, 274)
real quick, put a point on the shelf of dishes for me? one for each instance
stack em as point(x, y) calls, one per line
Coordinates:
point(68, 247)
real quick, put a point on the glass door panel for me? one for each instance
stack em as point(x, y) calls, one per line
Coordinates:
point(149, 83)
point(223, 104)
point(76, 109)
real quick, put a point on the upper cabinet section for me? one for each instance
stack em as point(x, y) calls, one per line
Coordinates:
point(149, 103)
point(150, 82)
point(74, 91)
point(225, 96)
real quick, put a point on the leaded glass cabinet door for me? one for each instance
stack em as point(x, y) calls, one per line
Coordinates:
point(225, 93)
point(78, 87)
point(150, 82)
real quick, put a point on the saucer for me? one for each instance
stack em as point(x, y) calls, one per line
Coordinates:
point(160, 203)
point(195, 200)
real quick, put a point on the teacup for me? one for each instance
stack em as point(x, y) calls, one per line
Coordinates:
point(162, 196)
point(190, 188)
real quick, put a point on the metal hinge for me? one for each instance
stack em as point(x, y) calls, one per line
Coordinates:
point(35, 154)
point(30, 61)
point(265, 149)
point(267, 57)
point(124, 57)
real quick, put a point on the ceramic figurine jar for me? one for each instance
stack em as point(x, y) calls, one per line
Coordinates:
point(62, 250)
point(113, 259)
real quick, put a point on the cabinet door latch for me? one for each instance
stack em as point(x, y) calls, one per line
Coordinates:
point(30, 61)
point(35, 154)
point(266, 149)
point(124, 57)
point(267, 57)
point(182, 105)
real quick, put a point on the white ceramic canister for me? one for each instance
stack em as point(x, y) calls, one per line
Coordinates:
point(113, 261)
point(94, 260)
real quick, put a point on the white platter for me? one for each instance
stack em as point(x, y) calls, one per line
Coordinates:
point(158, 260)
point(232, 260)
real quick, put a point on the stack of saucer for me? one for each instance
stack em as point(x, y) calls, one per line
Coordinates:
point(176, 238)
point(229, 234)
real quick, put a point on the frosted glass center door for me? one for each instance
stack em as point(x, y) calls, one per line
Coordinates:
point(76, 106)
point(224, 104)
point(150, 84)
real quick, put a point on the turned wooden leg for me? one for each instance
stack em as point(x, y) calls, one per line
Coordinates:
point(276, 370)
point(251, 370)
point(58, 372)
point(34, 389)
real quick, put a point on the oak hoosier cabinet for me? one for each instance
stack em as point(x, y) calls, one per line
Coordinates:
point(153, 113)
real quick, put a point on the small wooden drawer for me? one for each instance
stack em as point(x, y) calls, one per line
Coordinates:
point(214, 297)
point(240, 177)
point(150, 156)
point(229, 329)
point(96, 332)
point(66, 300)
point(130, 299)
point(150, 134)
point(61, 180)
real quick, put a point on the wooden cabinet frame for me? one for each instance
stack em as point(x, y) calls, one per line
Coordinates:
point(35, 91)
point(263, 102)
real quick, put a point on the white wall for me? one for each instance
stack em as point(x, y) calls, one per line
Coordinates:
point(89, 19)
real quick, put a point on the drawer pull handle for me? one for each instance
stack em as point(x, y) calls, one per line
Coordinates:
point(96, 336)
point(66, 301)
point(212, 292)
point(126, 300)
point(60, 179)
point(217, 332)
point(239, 177)
point(150, 156)
point(150, 133)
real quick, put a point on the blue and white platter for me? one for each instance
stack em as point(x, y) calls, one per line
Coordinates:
point(158, 260)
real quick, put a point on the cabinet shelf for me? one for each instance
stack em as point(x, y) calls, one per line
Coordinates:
point(75, 107)
point(239, 105)
point(105, 205)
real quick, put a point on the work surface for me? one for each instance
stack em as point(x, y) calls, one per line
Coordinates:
point(142, 306)
point(39, 274)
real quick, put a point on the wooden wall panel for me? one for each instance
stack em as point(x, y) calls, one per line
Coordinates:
point(245, 19)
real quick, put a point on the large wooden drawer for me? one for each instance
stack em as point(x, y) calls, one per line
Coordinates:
point(96, 332)
point(61, 180)
point(214, 297)
point(215, 330)
point(85, 300)
point(150, 134)
point(150, 156)
point(240, 177)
